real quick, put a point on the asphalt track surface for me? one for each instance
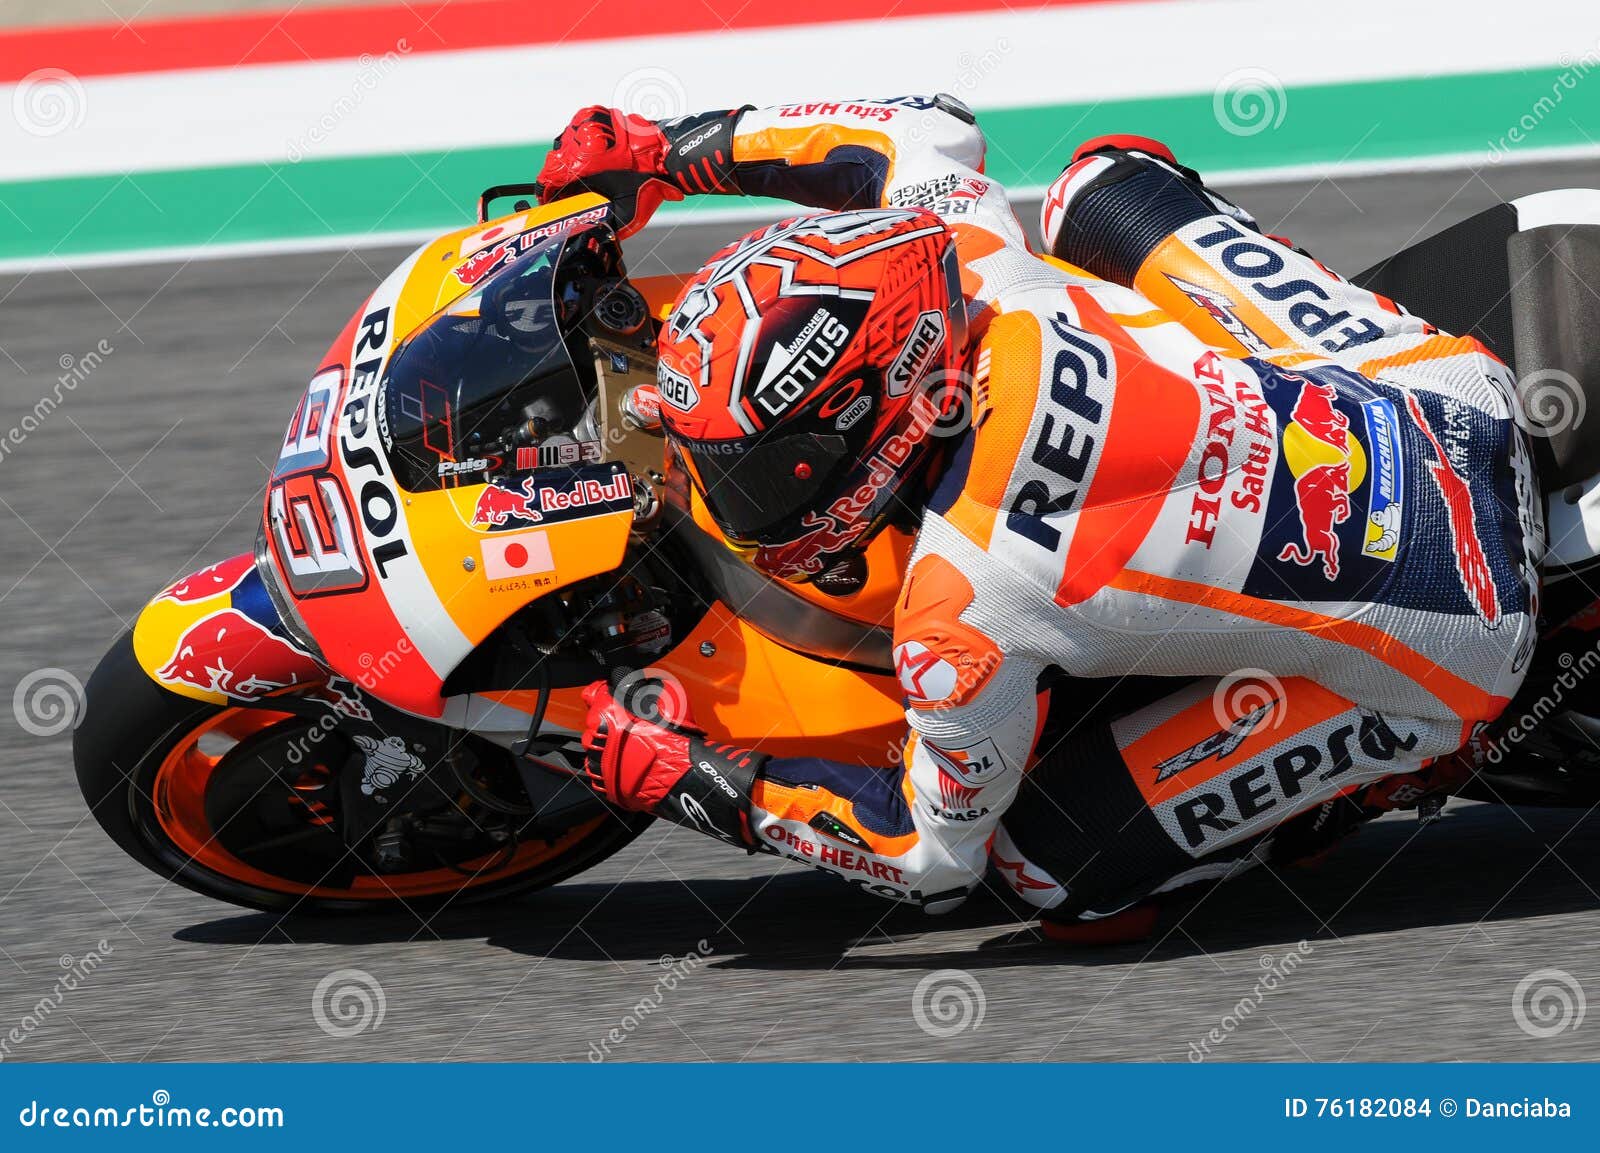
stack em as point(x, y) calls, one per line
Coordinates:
point(1415, 939)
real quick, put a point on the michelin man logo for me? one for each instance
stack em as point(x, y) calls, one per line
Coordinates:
point(388, 763)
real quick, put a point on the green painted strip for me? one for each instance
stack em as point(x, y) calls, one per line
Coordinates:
point(1319, 125)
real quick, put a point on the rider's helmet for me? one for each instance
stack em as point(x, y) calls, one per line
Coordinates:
point(801, 373)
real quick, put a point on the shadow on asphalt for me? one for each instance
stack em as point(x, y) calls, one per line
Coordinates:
point(1477, 864)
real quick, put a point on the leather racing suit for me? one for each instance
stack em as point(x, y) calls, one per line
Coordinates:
point(1196, 453)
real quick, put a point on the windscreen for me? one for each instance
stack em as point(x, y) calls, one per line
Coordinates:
point(500, 379)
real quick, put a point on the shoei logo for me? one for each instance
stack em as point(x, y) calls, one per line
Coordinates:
point(916, 357)
point(676, 389)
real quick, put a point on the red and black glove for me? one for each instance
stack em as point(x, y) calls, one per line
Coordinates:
point(665, 766)
point(638, 163)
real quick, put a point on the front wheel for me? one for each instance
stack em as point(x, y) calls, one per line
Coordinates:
point(241, 804)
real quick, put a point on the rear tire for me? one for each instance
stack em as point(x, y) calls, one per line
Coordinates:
point(132, 725)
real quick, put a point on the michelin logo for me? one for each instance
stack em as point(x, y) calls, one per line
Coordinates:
point(1385, 498)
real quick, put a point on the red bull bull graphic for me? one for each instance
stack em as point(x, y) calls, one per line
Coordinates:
point(496, 256)
point(1471, 562)
point(213, 580)
point(578, 493)
point(228, 653)
point(501, 505)
point(1328, 464)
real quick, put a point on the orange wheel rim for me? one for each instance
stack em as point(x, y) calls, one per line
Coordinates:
point(179, 800)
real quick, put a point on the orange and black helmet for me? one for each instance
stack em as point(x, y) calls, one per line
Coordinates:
point(801, 373)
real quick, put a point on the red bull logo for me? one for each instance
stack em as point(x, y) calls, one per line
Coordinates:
point(1328, 464)
point(484, 261)
point(497, 505)
point(493, 257)
point(213, 580)
point(586, 493)
point(231, 654)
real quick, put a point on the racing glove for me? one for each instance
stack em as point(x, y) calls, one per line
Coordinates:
point(664, 765)
point(638, 163)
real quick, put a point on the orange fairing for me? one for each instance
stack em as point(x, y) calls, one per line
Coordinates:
point(1303, 705)
point(660, 292)
point(411, 582)
point(750, 691)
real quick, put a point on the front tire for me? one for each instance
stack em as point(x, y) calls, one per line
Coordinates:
point(178, 807)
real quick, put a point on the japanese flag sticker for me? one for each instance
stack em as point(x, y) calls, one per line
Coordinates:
point(516, 555)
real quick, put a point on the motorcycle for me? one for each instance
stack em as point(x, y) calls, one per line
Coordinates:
point(465, 525)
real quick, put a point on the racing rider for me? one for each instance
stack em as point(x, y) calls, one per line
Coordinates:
point(1193, 452)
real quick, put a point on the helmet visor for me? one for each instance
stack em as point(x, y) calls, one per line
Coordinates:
point(757, 487)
